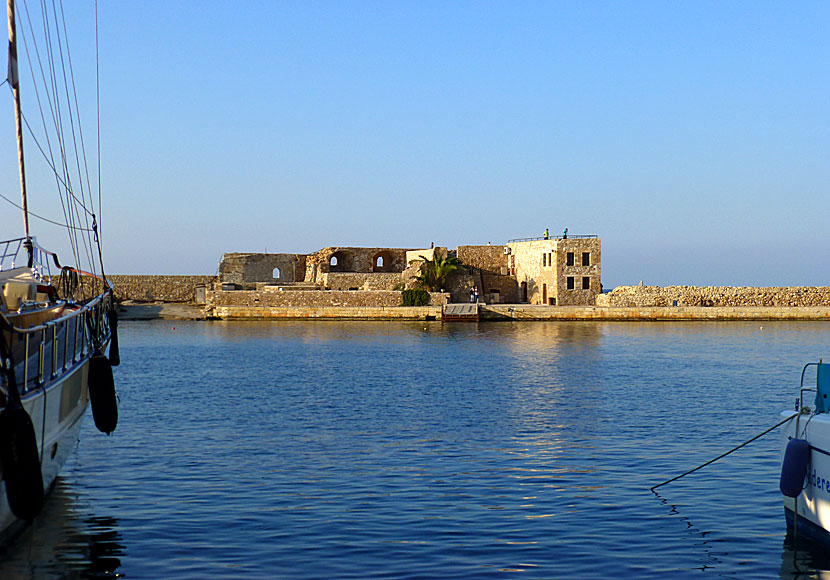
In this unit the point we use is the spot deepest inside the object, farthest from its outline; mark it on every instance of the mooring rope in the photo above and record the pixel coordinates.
(721, 456)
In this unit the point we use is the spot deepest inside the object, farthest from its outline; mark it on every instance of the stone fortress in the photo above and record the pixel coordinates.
(557, 278)
(559, 271)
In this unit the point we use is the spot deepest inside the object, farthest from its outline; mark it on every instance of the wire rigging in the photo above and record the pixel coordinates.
(61, 142)
(34, 215)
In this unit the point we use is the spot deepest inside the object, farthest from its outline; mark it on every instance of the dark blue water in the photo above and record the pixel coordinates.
(421, 450)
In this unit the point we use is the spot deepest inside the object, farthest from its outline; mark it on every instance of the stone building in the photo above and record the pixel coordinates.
(245, 269)
(558, 271)
(489, 268)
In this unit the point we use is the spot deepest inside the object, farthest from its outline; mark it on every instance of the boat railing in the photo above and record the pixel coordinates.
(559, 237)
(63, 342)
(11, 249)
(819, 380)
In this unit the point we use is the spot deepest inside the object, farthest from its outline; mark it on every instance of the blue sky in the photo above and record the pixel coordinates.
(693, 137)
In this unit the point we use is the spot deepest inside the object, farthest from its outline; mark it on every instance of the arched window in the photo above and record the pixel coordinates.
(383, 261)
(276, 274)
(341, 261)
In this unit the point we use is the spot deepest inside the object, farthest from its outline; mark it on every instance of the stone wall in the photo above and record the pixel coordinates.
(327, 313)
(715, 296)
(311, 298)
(428, 253)
(490, 259)
(489, 265)
(580, 274)
(360, 281)
(354, 260)
(244, 268)
(158, 288)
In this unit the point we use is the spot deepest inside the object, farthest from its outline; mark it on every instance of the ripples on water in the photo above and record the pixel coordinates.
(421, 450)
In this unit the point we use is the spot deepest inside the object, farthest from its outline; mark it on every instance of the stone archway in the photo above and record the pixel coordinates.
(341, 261)
(382, 262)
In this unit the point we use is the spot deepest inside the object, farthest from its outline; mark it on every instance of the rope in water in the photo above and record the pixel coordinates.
(721, 456)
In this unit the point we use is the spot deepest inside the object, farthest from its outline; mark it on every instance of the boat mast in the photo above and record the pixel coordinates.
(18, 121)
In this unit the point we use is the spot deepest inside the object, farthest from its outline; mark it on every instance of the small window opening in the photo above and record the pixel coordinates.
(276, 274)
(379, 263)
(586, 258)
(333, 261)
(586, 283)
(544, 260)
(551, 301)
(570, 283)
(570, 259)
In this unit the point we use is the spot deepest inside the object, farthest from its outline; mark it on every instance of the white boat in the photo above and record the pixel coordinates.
(55, 321)
(805, 457)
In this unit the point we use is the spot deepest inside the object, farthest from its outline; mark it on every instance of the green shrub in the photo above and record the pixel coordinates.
(415, 297)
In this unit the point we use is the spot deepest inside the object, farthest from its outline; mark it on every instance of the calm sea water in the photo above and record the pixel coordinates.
(422, 450)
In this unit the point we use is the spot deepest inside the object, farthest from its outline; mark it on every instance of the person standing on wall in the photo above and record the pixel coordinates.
(565, 234)
(546, 234)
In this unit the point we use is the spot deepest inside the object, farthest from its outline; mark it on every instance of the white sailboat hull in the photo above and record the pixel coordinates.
(57, 414)
(813, 504)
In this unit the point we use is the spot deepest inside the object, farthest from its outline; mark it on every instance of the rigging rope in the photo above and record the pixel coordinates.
(54, 66)
(722, 455)
(40, 217)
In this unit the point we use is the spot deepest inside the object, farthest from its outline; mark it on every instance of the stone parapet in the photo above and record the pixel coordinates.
(715, 296)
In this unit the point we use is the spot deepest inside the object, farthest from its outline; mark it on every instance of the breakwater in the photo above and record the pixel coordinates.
(623, 303)
(154, 288)
(716, 296)
(651, 313)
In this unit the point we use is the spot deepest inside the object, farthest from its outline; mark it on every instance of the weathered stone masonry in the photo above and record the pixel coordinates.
(557, 271)
(158, 288)
(715, 296)
(308, 299)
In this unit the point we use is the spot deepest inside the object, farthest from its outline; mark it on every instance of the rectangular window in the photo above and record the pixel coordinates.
(570, 282)
(570, 259)
(550, 259)
(544, 260)
(586, 283)
(586, 258)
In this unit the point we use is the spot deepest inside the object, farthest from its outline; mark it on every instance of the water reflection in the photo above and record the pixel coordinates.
(801, 557)
(64, 543)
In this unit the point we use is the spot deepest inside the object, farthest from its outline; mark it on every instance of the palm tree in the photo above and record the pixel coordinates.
(435, 271)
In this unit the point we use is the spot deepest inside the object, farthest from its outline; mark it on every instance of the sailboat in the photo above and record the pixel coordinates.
(805, 457)
(56, 320)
